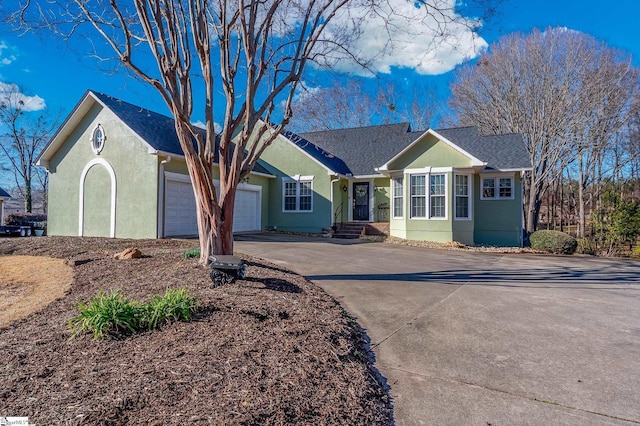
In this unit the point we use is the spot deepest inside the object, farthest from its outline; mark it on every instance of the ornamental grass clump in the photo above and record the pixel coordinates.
(107, 314)
(116, 315)
(553, 242)
(175, 305)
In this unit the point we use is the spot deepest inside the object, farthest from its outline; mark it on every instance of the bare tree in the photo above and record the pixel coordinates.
(252, 51)
(564, 91)
(23, 138)
(350, 105)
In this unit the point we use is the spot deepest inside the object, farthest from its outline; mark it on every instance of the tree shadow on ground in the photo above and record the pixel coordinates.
(552, 277)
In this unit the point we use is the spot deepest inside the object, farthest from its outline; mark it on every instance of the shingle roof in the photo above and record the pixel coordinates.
(4, 194)
(157, 130)
(362, 149)
(500, 152)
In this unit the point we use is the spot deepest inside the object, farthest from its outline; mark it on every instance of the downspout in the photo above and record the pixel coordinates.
(337, 179)
(2, 212)
(161, 196)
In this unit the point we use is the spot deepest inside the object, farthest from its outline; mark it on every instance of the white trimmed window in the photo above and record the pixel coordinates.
(496, 188)
(431, 204)
(462, 197)
(418, 196)
(297, 194)
(398, 197)
(438, 196)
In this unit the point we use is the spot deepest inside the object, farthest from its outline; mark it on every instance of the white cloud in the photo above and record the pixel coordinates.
(6, 57)
(10, 93)
(202, 125)
(402, 35)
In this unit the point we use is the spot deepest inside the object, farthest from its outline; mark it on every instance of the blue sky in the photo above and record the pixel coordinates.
(48, 69)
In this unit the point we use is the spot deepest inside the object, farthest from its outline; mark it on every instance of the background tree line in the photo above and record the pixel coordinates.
(576, 103)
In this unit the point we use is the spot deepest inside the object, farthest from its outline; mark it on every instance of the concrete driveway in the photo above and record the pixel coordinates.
(466, 338)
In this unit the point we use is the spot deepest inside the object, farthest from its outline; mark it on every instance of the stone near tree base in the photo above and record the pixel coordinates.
(129, 253)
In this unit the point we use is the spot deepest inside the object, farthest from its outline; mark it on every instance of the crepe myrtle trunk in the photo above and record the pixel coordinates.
(214, 209)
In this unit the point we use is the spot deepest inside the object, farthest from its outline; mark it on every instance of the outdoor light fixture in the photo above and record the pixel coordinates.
(344, 188)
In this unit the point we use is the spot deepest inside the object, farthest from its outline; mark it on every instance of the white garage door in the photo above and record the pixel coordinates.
(180, 209)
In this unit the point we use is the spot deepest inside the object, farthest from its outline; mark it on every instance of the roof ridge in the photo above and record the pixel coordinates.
(406, 123)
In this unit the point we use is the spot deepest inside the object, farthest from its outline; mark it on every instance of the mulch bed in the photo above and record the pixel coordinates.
(269, 349)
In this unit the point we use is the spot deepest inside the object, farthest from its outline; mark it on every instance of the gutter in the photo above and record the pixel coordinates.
(160, 227)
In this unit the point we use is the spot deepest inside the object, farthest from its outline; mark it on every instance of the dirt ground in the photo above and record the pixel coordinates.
(29, 283)
(269, 349)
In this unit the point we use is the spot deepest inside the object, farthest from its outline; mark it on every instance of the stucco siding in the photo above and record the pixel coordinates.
(498, 222)
(285, 160)
(135, 188)
(430, 152)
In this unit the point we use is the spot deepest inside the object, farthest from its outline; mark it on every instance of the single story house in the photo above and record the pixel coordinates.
(117, 170)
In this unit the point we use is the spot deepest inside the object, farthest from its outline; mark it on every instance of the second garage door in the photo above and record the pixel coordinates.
(180, 209)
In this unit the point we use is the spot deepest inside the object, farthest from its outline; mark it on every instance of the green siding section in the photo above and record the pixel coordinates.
(498, 222)
(382, 200)
(430, 152)
(283, 159)
(136, 180)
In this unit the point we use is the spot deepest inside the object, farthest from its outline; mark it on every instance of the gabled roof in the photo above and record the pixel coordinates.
(361, 149)
(155, 130)
(492, 152)
(500, 152)
(4, 194)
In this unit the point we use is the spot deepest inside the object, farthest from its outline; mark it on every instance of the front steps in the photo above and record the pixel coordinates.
(349, 230)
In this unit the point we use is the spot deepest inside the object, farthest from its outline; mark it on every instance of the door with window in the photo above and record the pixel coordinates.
(360, 201)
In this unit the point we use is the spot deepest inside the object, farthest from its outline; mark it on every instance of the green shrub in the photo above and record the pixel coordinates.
(553, 242)
(104, 315)
(191, 254)
(175, 305)
(115, 314)
(586, 246)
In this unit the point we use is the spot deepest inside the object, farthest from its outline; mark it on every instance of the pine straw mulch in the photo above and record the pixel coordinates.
(269, 349)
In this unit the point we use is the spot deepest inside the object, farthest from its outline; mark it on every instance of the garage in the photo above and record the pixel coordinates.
(180, 207)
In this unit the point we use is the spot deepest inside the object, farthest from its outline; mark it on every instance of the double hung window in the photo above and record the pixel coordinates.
(297, 195)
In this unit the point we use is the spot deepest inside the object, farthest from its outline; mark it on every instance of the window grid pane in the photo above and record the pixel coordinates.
(462, 196)
(437, 185)
(418, 207)
(398, 199)
(462, 206)
(488, 188)
(462, 185)
(437, 206)
(418, 196)
(505, 188)
(418, 185)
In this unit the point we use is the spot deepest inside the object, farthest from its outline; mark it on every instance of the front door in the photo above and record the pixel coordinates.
(361, 201)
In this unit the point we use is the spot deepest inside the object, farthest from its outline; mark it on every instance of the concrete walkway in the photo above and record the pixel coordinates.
(467, 338)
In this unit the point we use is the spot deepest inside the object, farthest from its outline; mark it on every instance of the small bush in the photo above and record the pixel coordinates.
(191, 254)
(175, 305)
(104, 315)
(553, 242)
(115, 314)
(586, 246)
